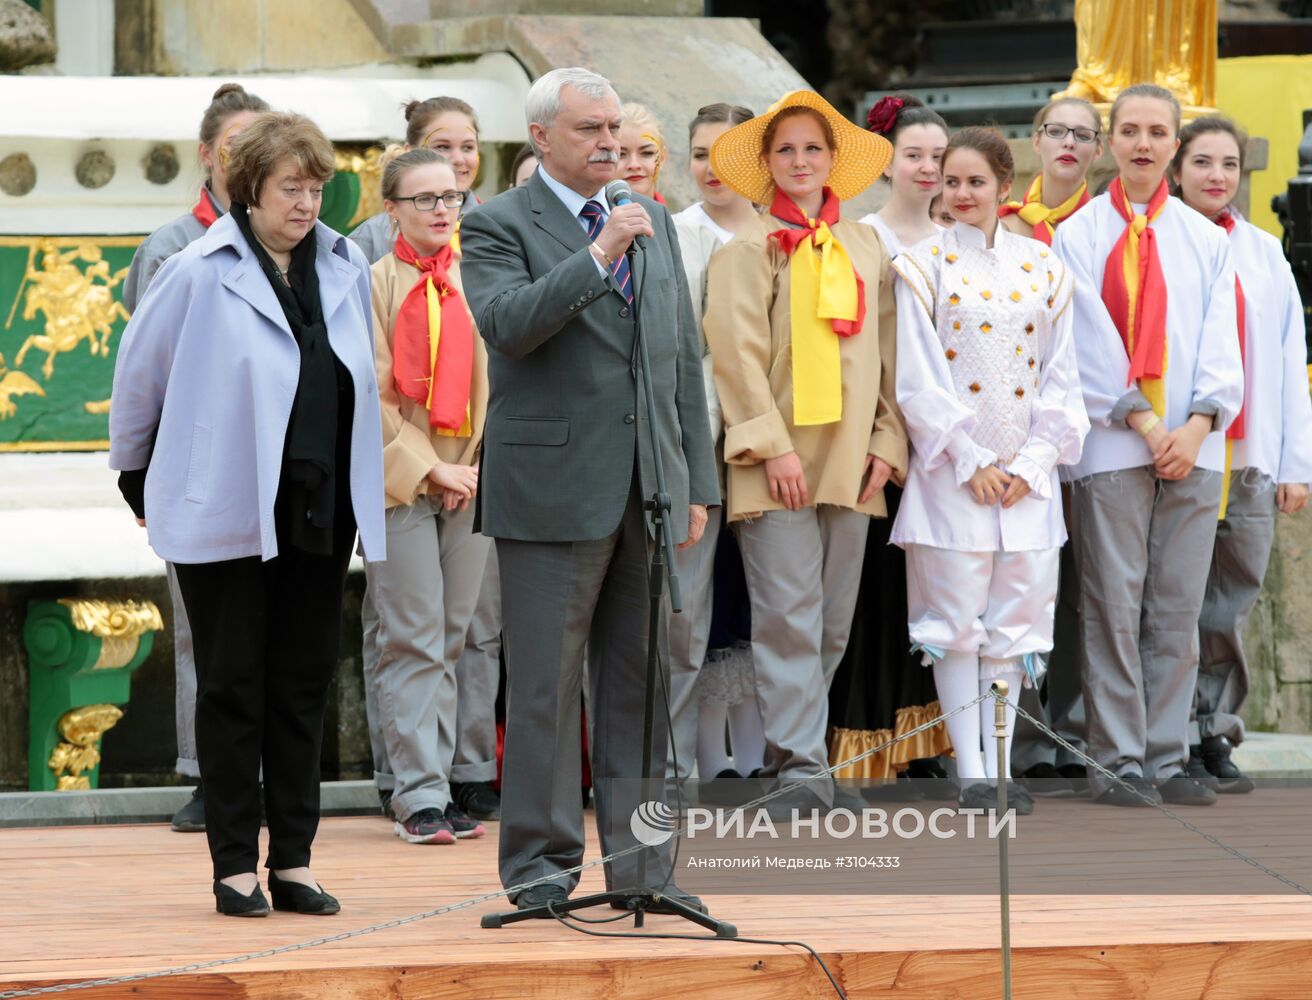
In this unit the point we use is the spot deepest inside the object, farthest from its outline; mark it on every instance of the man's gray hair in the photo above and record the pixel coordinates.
(543, 101)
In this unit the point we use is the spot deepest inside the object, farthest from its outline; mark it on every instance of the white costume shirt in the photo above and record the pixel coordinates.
(1277, 406)
(1203, 373)
(892, 244)
(699, 237)
(986, 375)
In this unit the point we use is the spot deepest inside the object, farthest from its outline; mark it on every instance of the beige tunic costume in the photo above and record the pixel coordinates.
(747, 326)
(419, 603)
(803, 567)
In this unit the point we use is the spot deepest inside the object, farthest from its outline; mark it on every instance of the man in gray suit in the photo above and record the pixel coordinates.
(567, 466)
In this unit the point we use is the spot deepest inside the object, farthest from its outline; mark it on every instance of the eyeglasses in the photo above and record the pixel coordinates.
(1060, 132)
(428, 202)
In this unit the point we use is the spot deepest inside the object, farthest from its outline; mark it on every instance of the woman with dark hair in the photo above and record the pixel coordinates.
(246, 423)
(1268, 447)
(448, 126)
(523, 166)
(991, 396)
(800, 323)
(1162, 378)
(231, 109)
(880, 691)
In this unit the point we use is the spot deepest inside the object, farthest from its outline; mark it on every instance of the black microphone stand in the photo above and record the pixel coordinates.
(661, 568)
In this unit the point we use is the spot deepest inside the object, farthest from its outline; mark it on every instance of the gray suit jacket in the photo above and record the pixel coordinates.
(566, 408)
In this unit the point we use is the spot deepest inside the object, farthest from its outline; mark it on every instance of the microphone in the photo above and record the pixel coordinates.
(619, 193)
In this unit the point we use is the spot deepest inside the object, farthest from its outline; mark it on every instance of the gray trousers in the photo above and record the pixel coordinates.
(420, 602)
(803, 570)
(184, 673)
(690, 633)
(1063, 708)
(1239, 560)
(557, 597)
(1142, 551)
(478, 675)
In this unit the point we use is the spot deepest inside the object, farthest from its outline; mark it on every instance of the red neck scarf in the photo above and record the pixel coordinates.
(433, 343)
(786, 210)
(1134, 288)
(203, 210)
(1235, 431)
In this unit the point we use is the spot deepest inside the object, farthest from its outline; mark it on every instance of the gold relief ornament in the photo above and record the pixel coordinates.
(1171, 43)
(369, 168)
(82, 729)
(14, 384)
(78, 303)
(113, 619)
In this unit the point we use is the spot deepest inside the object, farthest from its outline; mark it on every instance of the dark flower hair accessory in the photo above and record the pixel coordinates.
(883, 116)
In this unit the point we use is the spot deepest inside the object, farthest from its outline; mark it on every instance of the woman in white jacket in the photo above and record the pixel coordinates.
(1268, 447)
(990, 393)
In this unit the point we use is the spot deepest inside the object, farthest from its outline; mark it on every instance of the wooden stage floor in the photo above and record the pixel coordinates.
(85, 902)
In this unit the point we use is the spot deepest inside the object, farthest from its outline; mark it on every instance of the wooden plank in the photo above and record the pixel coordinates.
(82, 902)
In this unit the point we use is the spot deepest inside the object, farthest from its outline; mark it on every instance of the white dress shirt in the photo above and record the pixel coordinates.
(1203, 372)
(1277, 405)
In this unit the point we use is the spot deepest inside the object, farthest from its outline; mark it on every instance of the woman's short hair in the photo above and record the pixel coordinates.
(398, 162)
(640, 117)
(272, 137)
(1041, 118)
(1145, 90)
(420, 115)
(717, 114)
(990, 144)
(1205, 126)
(228, 100)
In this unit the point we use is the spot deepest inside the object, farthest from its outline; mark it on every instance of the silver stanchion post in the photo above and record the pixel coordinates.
(1000, 691)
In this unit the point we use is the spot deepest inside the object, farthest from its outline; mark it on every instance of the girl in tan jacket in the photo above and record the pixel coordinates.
(800, 323)
(432, 387)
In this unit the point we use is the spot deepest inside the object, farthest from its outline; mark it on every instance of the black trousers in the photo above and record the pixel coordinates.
(266, 640)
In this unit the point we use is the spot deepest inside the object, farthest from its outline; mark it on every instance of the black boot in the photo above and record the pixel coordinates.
(191, 817)
(1216, 759)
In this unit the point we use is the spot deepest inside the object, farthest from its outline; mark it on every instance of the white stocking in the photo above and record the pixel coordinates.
(746, 736)
(956, 676)
(712, 758)
(1014, 676)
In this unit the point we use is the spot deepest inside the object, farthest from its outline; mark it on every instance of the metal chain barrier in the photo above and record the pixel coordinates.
(1090, 762)
(578, 869)
(452, 907)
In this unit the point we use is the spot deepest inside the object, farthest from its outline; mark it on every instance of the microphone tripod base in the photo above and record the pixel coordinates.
(639, 903)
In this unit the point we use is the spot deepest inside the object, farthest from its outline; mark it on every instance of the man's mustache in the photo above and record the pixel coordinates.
(606, 156)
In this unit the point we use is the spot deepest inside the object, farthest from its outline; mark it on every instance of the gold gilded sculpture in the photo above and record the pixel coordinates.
(76, 307)
(1171, 43)
(113, 619)
(14, 384)
(82, 729)
(368, 167)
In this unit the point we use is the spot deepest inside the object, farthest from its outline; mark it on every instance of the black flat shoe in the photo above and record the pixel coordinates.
(232, 903)
(294, 897)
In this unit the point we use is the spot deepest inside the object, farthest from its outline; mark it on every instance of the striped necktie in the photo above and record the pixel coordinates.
(591, 214)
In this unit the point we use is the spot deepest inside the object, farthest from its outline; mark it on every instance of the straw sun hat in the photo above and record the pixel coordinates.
(859, 156)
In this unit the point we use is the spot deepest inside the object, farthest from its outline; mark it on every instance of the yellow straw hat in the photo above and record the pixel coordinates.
(859, 156)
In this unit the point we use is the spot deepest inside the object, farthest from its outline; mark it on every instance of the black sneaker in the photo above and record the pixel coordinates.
(984, 795)
(1182, 790)
(1197, 770)
(1045, 781)
(477, 799)
(427, 826)
(1139, 795)
(929, 778)
(191, 817)
(1078, 776)
(1216, 759)
(461, 825)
